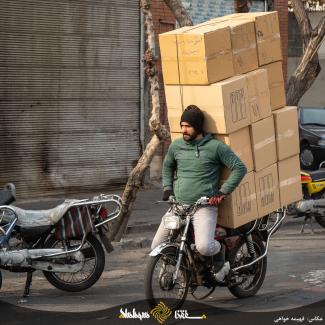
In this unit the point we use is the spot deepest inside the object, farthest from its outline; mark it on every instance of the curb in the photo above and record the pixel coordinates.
(133, 229)
(133, 243)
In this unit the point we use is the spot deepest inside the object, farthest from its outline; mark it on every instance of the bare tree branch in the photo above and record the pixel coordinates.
(303, 21)
(242, 5)
(179, 12)
(309, 67)
(160, 131)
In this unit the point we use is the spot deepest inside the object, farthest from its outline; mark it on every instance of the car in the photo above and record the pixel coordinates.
(311, 136)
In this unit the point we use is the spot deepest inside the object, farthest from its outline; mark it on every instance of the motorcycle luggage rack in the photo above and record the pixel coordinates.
(98, 200)
(101, 200)
(281, 213)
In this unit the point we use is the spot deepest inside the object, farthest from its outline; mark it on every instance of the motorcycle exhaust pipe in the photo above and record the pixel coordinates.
(24, 257)
(310, 206)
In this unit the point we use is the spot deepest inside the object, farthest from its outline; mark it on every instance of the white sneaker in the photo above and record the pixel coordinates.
(221, 274)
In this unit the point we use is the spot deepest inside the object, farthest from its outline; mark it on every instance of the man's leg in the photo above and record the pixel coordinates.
(204, 223)
(160, 236)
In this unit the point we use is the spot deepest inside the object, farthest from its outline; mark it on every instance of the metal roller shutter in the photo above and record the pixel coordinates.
(69, 94)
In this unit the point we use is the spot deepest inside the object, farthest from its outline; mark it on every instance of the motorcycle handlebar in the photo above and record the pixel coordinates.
(204, 200)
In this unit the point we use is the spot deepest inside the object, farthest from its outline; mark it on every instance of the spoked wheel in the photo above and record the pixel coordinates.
(249, 279)
(159, 283)
(93, 260)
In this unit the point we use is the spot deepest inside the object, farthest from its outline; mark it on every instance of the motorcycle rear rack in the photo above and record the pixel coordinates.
(99, 201)
(280, 215)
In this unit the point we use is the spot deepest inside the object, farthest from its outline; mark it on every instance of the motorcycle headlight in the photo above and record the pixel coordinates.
(172, 221)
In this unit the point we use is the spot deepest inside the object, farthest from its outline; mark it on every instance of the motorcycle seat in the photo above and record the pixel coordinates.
(38, 218)
(317, 175)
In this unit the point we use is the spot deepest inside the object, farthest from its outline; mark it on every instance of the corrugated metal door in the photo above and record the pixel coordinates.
(69, 94)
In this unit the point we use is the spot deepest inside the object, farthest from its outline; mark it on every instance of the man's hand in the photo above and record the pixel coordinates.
(215, 200)
(167, 193)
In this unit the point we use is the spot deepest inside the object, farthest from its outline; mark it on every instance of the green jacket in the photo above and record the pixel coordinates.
(192, 169)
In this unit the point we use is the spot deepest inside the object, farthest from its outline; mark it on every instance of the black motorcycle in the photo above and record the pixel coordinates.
(176, 268)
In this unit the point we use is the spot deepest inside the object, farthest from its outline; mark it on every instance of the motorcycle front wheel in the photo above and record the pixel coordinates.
(93, 264)
(158, 280)
(250, 278)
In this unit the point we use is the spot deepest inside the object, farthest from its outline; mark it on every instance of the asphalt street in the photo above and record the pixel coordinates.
(295, 277)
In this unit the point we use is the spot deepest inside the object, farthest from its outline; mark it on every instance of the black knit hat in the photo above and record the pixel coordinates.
(194, 117)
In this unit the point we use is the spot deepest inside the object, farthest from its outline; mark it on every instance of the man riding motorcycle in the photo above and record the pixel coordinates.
(191, 170)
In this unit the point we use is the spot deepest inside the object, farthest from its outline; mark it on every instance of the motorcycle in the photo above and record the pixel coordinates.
(313, 203)
(65, 242)
(175, 268)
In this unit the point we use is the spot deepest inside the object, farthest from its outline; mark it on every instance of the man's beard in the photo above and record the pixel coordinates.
(188, 137)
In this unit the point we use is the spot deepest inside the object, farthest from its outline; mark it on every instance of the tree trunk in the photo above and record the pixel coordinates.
(308, 68)
(179, 12)
(242, 6)
(160, 131)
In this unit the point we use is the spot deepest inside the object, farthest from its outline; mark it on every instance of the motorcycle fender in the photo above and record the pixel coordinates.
(157, 250)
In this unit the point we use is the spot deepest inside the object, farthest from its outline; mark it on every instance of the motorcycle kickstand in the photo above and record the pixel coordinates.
(311, 224)
(28, 284)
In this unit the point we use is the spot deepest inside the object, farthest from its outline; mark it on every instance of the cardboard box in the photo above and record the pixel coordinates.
(224, 104)
(175, 135)
(286, 132)
(198, 55)
(276, 84)
(239, 142)
(240, 206)
(267, 190)
(263, 143)
(267, 34)
(289, 180)
(258, 95)
(174, 118)
(243, 43)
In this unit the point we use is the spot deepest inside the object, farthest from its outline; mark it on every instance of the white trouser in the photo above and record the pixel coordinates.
(204, 223)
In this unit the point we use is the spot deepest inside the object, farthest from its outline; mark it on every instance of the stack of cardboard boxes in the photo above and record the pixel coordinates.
(231, 68)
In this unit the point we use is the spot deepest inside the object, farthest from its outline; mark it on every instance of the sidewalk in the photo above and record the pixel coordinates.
(146, 213)
(145, 217)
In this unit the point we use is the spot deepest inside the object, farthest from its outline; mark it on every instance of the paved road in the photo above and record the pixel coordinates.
(295, 277)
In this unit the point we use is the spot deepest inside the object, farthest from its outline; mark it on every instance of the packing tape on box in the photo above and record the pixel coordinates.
(290, 181)
(252, 197)
(249, 198)
(277, 84)
(252, 46)
(265, 142)
(217, 54)
(287, 134)
(266, 38)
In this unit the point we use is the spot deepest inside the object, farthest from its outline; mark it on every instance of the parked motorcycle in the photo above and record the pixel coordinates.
(64, 242)
(176, 268)
(313, 203)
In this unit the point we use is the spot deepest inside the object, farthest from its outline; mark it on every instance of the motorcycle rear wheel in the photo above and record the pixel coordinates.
(158, 281)
(252, 277)
(94, 262)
